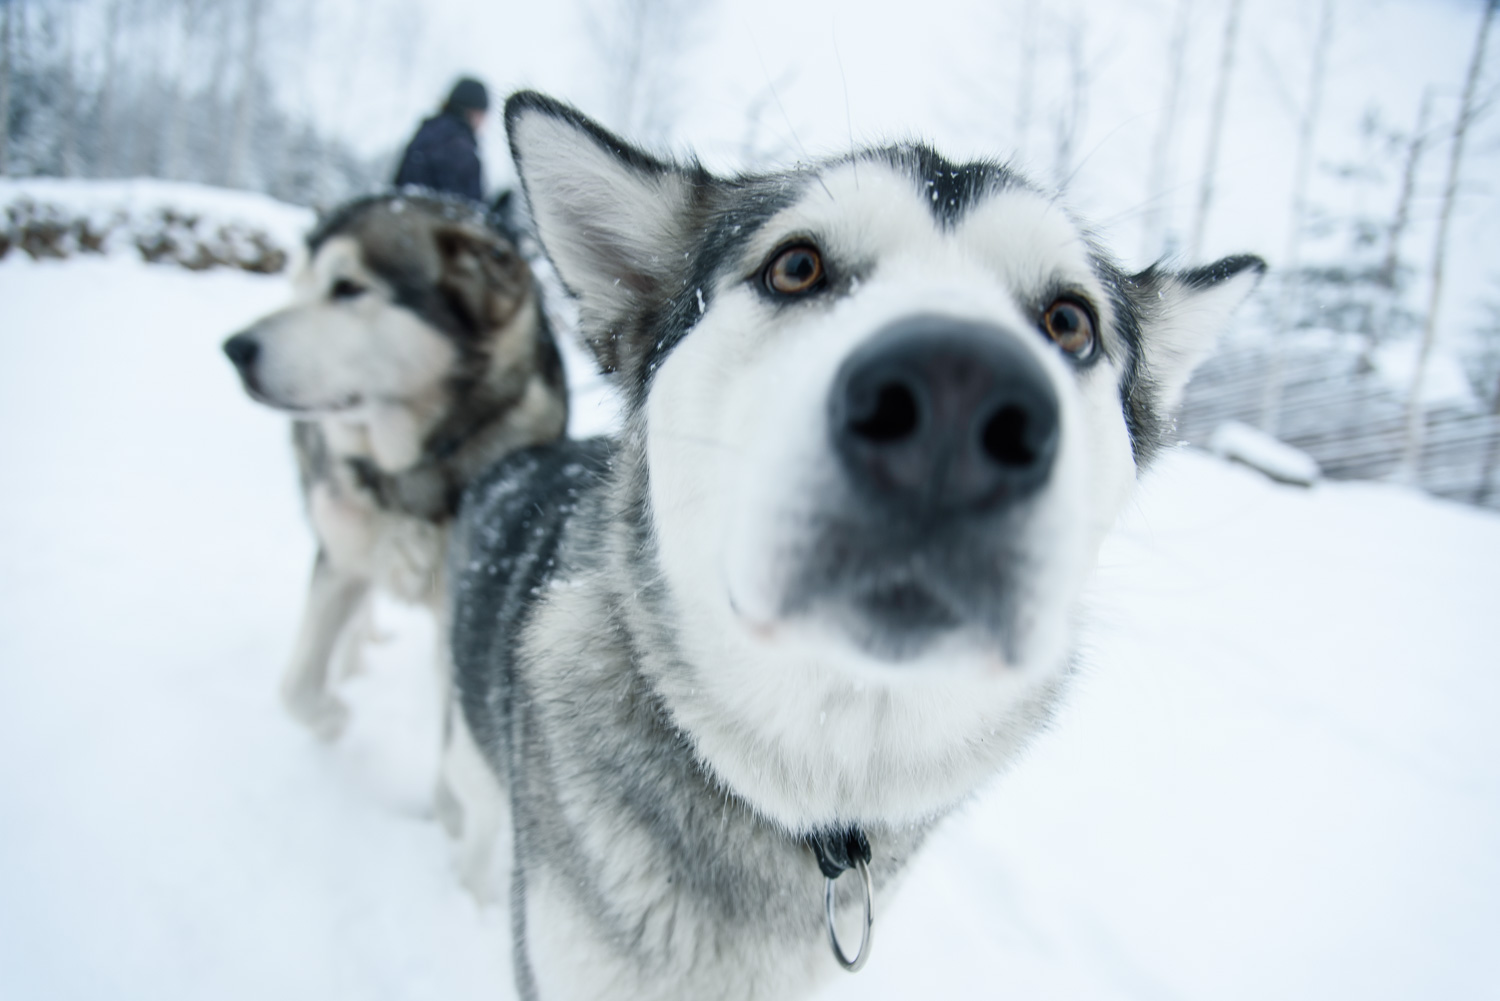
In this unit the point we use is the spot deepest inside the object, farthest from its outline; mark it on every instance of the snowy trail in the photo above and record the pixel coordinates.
(1279, 775)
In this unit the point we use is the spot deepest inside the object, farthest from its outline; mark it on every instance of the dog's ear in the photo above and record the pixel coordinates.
(483, 279)
(1182, 314)
(608, 214)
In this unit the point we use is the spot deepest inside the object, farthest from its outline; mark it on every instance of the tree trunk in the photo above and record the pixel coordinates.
(1159, 180)
(172, 165)
(69, 124)
(1402, 219)
(106, 161)
(1415, 414)
(5, 72)
(1291, 260)
(244, 105)
(1026, 85)
(1215, 130)
(220, 94)
(1070, 122)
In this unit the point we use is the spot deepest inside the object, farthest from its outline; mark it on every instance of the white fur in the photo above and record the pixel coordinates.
(484, 823)
(792, 716)
(1183, 334)
(607, 219)
(790, 713)
(361, 355)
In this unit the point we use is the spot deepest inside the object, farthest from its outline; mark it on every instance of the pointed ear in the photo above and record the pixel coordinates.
(608, 215)
(1183, 314)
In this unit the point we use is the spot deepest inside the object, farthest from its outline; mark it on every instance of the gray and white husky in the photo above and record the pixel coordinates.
(413, 355)
(879, 413)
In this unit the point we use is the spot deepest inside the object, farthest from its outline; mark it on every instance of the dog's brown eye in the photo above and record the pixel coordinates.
(1070, 326)
(345, 289)
(795, 270)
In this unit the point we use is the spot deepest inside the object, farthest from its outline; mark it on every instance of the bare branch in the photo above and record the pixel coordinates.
(1466, 116)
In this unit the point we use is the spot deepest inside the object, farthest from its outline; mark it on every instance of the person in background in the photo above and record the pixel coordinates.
(444, 154)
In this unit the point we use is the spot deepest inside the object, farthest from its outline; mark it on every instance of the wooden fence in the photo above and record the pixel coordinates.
(1333, 406)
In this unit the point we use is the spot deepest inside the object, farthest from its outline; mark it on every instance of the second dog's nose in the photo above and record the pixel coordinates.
(242, 350)
(938, 415)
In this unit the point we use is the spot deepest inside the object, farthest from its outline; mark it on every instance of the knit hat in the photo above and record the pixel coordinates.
(468, 95)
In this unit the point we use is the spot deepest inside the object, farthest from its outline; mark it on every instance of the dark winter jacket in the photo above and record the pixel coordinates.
(444, 156)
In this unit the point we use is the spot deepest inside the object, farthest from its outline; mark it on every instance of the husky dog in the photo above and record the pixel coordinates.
(879, 414)
(414, 354)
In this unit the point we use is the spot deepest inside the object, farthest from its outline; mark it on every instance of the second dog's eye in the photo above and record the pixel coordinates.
(1071, 327)
(795, 270)
(345, 289)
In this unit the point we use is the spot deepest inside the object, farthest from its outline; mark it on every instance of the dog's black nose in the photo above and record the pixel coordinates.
(242, 350)
(938, 416)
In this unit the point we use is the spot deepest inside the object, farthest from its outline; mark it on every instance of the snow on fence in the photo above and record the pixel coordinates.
(188, 225)
(1336, 406)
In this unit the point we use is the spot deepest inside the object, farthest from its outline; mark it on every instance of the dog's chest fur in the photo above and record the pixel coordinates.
(400, 552)
(637, 874)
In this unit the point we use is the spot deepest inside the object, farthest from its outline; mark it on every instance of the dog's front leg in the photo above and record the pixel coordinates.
(483, 805)
(332, 599)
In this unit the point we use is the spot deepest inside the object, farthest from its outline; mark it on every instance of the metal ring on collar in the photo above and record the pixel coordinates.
(852, 965)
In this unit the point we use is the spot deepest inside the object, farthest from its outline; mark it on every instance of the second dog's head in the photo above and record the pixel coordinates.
(888, 406)
(404, 298)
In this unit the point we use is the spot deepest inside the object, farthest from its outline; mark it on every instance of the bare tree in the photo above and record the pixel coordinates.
(1159, 178)
(70, 119)
(639, 44)
(1291, 259)
(220, 90)
(190, 17)
(5, 74)
(1068, 123)
(106, 160)
(1390, 276)
(244, 105)
(1026, 82)
(753, 152)
(1215, 129)
(1415, 414)
(1414, 147)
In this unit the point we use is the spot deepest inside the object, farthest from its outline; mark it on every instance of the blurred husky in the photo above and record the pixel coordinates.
(413, 355)
(880, 412)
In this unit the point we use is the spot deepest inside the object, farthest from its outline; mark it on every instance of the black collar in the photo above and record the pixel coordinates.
(839, 849)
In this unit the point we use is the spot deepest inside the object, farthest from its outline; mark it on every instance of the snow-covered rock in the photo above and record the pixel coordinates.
(1252, 447)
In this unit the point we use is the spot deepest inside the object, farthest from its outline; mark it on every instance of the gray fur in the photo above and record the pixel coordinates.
(557, 633)
(639, 870)
(430, 268)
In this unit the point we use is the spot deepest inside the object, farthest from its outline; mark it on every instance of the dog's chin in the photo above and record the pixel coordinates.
(892, 630)
(894, 622)
(334, 407)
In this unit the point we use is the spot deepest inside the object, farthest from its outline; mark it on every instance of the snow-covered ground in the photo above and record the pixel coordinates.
(1279, 776)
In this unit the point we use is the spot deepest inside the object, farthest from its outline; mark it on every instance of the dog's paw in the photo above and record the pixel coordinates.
(323, 714)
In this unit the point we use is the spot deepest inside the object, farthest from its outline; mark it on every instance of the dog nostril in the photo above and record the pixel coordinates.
(893, 417)
(242, 350)
(1004, 437)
